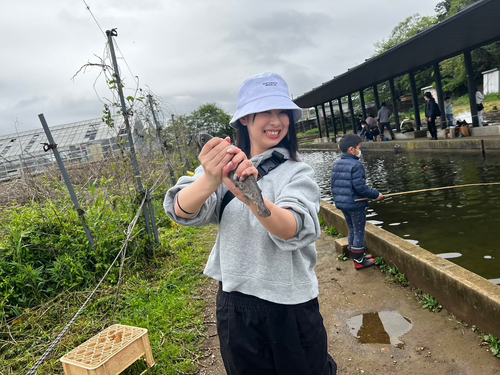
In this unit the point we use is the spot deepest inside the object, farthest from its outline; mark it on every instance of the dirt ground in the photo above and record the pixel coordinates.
(437, 343)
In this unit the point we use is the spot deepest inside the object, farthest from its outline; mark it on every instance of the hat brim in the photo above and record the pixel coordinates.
(266, 104)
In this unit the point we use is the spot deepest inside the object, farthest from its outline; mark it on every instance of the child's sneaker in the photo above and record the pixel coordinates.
(359, 258)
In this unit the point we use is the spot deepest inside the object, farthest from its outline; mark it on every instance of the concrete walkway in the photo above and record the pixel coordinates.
(436, 344)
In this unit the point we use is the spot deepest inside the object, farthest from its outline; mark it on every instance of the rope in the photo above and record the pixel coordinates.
(42, 360)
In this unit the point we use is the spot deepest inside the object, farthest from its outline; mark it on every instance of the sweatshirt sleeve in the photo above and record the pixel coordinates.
(302, 197)
(359, 183)
(208, 213)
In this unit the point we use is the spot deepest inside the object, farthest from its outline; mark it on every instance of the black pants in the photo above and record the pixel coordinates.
(431, 126)
(258, 337)
(388, 126)
(371, 134)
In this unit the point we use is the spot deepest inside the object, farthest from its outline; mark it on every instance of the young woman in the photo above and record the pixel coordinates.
(268, 317)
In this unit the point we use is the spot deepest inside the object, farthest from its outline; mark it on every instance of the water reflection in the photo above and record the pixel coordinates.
(384, 327)
(464, 220)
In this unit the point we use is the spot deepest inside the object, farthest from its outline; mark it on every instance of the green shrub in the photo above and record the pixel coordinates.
(44, 249)
(312, 131)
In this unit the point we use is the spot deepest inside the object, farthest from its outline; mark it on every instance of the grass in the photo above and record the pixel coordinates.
(332, 231)
(429, 302)
(395, 276)
(157, 296)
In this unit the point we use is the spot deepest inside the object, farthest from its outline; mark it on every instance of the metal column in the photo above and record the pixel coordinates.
(326, 122)
(395, 105)
(363, 106)
(439, 89)
(471, 85)
(375, 94)
(333, 122)
(52, 145)
(319, 122)
(414, 98)
(110, 34)
(353, 118)
(341, 112)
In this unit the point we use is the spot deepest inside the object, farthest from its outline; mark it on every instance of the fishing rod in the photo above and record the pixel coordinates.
(433, 189)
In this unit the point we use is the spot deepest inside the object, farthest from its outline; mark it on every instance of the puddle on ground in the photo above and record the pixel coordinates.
(495, 281)
(375, 222)
(384, 327)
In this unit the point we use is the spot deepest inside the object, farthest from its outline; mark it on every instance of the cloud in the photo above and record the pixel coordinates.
(188, 53)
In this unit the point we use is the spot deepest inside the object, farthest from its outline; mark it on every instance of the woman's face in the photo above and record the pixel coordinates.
(266, 129)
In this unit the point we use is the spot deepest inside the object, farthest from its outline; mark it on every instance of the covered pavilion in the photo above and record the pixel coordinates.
(471, 28)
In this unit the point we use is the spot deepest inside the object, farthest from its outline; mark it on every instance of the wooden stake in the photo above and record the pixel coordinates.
(433, 189)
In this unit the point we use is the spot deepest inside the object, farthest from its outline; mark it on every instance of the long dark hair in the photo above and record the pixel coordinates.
(290, 142)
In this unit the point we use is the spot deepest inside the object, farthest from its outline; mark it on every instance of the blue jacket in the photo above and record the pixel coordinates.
(349, 183)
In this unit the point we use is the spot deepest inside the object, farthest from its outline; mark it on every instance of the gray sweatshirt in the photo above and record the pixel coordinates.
(384, 115)
(246, 257)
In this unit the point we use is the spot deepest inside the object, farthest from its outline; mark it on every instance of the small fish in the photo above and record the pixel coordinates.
(248, 186)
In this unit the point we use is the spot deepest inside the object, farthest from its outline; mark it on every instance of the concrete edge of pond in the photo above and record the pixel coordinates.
(468, 296)
(480, 145)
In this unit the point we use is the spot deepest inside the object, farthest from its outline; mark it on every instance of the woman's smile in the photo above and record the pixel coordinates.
(273, 134)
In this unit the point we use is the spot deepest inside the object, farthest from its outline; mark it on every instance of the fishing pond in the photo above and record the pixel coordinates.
(461, 225)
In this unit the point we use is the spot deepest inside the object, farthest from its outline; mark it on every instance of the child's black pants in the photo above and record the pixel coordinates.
(258, 337)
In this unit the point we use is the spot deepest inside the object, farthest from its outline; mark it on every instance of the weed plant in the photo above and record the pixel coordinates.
(332, 231)
(494, 344)
(48, 269)
(429, 302)
(395, 276)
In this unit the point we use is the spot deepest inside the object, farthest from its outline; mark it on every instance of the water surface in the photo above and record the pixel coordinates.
(464, 220)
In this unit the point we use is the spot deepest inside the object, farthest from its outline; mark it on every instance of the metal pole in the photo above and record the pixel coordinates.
(377, 99)
(158, 129)
(353, 118)
(153, 219)
(334, 123)
(52, 145)
(177, 141)
(341, 112)
(414, 98)
(110, 34)
(471, 85)
(319, 123)
(163, 151)
(439, 89)
(363, 106)
(395, 105)
(326, 122)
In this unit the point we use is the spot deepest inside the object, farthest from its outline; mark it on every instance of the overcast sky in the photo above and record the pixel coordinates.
(188, 52)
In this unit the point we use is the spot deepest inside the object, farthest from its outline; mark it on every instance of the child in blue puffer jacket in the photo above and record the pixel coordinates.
(349, 184)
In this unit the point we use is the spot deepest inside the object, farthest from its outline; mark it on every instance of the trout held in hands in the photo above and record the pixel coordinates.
(248, 187)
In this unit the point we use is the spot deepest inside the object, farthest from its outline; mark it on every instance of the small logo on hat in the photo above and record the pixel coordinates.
(270, 83)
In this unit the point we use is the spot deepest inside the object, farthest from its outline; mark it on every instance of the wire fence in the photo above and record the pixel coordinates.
(54, 343)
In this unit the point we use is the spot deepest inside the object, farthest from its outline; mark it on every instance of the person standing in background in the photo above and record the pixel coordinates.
(448, 111)
(384, 115)
(431, 113)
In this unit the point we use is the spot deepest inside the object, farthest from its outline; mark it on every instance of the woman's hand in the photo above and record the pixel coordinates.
(214, 156)
(244, 169)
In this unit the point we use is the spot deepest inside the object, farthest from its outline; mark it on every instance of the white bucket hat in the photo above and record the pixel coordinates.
(264, 92)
